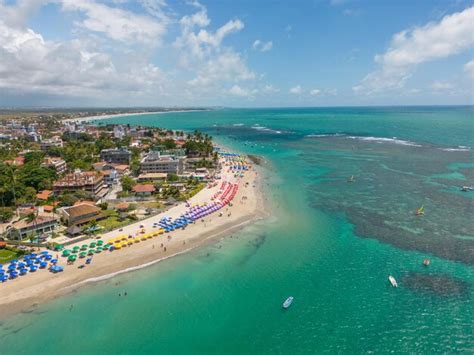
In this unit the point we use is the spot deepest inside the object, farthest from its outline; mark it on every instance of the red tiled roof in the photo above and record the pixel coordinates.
(144, 188)
(43, 195)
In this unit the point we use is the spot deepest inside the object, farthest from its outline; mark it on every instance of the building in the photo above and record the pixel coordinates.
(44, 195)
(143, 190)
(89, 181)
(50, 143)
(119, 132)
(110, 177)
(152, 177)
(57, 164)
(41, 225)
(154, 162)
(80, 214)
(118, 156)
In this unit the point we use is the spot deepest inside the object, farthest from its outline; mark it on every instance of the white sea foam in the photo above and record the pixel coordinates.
(393, 140)
(238, 124)
(265, 129)
(460, 148)
(325, 135)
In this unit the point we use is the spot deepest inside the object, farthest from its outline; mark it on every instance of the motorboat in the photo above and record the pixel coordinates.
(393, 281)
(467, 188)
(351, 179)
(288, 302)
(426, 262)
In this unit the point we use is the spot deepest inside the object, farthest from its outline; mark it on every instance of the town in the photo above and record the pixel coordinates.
(61, 180)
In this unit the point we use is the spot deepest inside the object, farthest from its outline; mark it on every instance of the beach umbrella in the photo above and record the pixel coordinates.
(91, 252)
(92, 245)
(54, 261)
(76, 249)
(100, 242)
(97, 251)
(43, 264)
(84, 247)
(107, 246)
(82, 254)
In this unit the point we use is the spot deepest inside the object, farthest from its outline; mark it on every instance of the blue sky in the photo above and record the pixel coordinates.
(235, 53)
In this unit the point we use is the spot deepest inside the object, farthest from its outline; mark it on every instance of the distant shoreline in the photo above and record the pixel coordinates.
(104, 117)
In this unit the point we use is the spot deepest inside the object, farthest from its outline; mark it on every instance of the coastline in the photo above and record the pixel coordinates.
(104, 117)
(25, 294)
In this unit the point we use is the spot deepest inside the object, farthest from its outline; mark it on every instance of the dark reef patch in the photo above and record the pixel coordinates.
(436, 284)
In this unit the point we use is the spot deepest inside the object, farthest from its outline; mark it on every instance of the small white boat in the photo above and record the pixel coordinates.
(288, 302)
(393, 281)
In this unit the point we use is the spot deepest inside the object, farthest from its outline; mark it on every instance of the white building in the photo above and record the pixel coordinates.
(154, 162)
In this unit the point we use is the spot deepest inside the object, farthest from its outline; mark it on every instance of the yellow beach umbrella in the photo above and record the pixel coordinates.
(136, 240)
(118, 246)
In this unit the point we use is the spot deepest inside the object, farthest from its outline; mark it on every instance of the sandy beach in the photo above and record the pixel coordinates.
(104, 117)
(26, 292)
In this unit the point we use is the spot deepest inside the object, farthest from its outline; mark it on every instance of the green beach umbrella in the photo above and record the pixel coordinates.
(107, 246)
(92, 245)
(91, 251)
(71, 258)
(66, 252)
(100, 242)
(82, 254)
(84, 247)
(59, 247)
(97, 251)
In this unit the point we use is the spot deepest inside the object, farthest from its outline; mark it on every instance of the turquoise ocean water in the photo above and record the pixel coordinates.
(331, 244)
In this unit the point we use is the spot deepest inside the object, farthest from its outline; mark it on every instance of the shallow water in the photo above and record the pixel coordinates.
(331, 244)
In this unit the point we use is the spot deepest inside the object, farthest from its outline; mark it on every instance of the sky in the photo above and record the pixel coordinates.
(237, 53)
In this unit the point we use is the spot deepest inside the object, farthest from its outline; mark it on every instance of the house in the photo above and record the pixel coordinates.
(44, 195)
(49, 143)
(74, 231)
(89, 181)
(57, 164)
(122, 169)
(119, 156)
(122, 207)
(40, 225)
(143, 190)
(152, 177)
(154, 162)
(110, 177)
(81, 214)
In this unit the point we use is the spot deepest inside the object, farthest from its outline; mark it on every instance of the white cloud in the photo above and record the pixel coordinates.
(32, 65)
(117, 24)
(258, 45)
(270, 89)
(199, 41)
(109, 55)
(442, 85)
(238, 91)
(469, 68)
(410, 48)
(315, 92)
(296, 90)
(228, 66)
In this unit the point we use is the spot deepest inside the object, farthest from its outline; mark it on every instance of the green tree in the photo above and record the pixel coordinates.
(6, 214)
(172, 177)
(127, 183)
